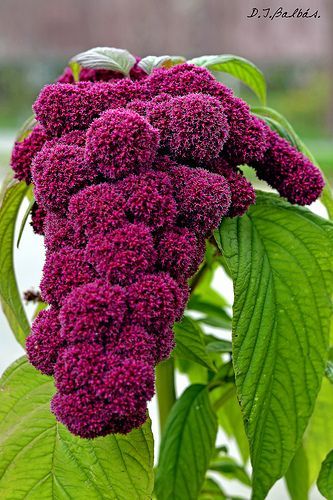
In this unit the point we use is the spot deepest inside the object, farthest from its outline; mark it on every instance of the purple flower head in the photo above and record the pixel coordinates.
(79, 366)
(198, 127)
(96, 210)
(134, 342)
(180, 252)
(24, 152)
(121, 142)
(242, 192)
(64, 107)
(248, 137)
(89, 417)
(122, 255)
(44, 342)
(117, 404)
(183, 79)
(38, 215)
(202, 198)
(94, 312)
(58, 173)
(138, 106)
(58, 232)
(290, 172)
(155, 301)
(73, 138)
(149, 199)
(159, 115)
(63, 271)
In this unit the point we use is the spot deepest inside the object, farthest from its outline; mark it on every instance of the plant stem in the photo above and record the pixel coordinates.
(165, 389)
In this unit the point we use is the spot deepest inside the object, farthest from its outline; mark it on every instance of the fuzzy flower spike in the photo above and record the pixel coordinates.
(130, 177)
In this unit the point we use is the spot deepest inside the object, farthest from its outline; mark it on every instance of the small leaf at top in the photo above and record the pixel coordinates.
(106, 58)
(238, 67)
(149, 63)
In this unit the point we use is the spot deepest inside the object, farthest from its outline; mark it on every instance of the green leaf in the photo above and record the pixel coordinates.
(211, 491)
(281, 260)
(187, 446)
(149, 63)
(230, 418)
(229, 468)
(41, 459)
(25, 217)
(297, 476)
(105, 58)
(190, 343)
(325, 479)
(281, 125)
(219, 346)
(240, 68)
(318, 439)
(26, 129)
(75, 68)
(9, 294)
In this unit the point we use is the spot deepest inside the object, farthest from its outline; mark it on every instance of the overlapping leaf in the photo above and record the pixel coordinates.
(187, 446)
(9, 293)
(39, 458)
(281, 260)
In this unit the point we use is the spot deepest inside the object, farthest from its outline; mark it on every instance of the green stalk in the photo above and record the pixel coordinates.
(165, 389)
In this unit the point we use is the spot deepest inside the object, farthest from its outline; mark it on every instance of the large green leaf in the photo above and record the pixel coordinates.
(187, 446)
(105, 58)
(211, 491)
(297, 477)
(281, 260)
(190, 343)
(318, 440)
(9, 293)
(325, 479)
(39, 458)
(240, 68)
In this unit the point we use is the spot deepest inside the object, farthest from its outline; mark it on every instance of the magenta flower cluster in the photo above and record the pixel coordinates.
(130, 176)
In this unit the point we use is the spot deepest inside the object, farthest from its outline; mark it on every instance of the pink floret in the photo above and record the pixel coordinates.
(44, 342)
(24, 152)
(242, 192)
(116, 404)
(180, 252)
(97, 210)
(94, 312)
(156, 301)
(290, 172)
(149, 199)
(58, 232)
(121, 142)
(202, 198)
(59, 172)
(38, 215)
(198, 127)
(124, 254)
(64, 107)
(63, 271)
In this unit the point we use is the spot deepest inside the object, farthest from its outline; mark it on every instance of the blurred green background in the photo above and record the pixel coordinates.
(37, 38)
